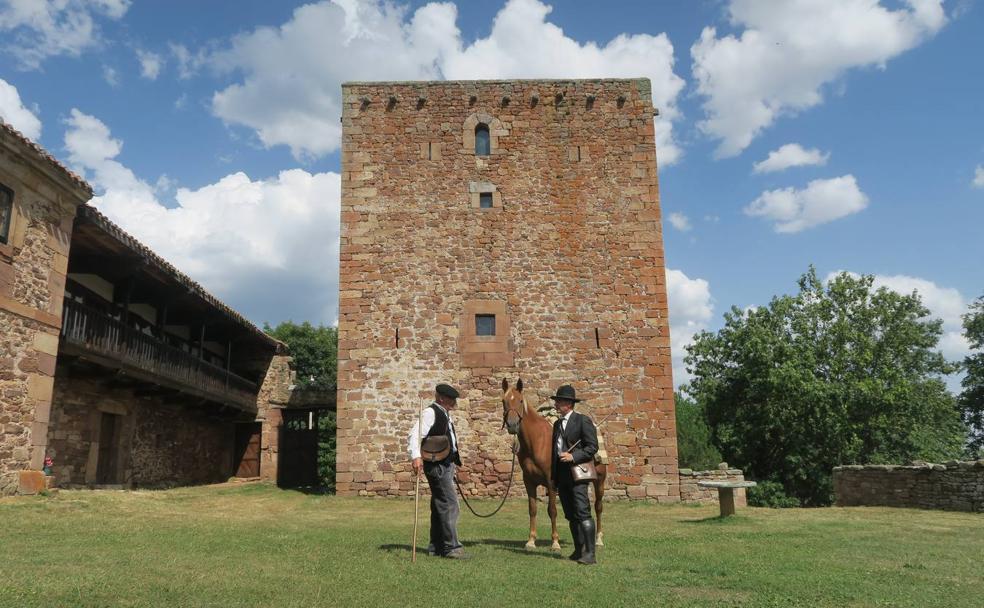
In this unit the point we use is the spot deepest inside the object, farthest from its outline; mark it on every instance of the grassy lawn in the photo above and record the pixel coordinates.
(255, 545)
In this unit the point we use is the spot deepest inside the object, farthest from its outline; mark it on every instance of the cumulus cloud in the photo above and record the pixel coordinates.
(680, 221)
(292, 73)
(190, 62)
(944, 303)
(978, 177)
(822, 201)
(16, 114)
(791, 155)
(111, 76)
(40, 29)
(248, 241)
(787, 51)
(691, 308)
(150, 64)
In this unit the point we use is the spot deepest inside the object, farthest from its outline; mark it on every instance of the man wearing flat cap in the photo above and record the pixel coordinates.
(575, 441)
(433, 448)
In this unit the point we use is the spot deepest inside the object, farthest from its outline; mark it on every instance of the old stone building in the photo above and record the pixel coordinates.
(114, 364)
(495, 229)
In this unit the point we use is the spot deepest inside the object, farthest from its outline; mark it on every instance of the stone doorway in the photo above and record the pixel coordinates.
(247, 456)
(109, 449)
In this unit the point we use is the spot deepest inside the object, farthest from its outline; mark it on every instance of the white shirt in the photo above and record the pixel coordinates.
(427, 420)
(563, 428)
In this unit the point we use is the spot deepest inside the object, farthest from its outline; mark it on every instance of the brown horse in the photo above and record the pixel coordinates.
(535, 452)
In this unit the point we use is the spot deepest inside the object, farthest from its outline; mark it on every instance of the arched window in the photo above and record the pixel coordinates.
(482, 140)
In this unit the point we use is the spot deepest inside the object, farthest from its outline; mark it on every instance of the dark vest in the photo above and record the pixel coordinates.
(442, 426)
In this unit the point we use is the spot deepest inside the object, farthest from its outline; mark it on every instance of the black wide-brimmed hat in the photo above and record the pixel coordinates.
(566, 392)
(447, 390)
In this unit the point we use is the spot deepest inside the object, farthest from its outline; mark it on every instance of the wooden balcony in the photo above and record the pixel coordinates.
(90, 333)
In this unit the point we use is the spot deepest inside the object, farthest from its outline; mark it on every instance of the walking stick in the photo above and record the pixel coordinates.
(416, 489)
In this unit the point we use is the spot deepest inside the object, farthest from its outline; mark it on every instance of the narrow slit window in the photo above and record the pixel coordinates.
(579, 154)
(483, 144)
(485, 200)
(430, 151)
(398, 337)
(6, 212)
(484, 325)
(597, 339)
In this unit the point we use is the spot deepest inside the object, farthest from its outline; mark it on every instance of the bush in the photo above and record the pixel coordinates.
(326, 450)
(770, 494)
(694, 448)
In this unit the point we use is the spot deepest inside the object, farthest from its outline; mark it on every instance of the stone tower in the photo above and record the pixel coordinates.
(495, 229)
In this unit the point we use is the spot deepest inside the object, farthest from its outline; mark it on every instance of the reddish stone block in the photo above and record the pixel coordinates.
(31, 482)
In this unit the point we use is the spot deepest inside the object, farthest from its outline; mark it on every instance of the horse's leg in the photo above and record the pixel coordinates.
(552, 511)
(531, 493)
(599, 488)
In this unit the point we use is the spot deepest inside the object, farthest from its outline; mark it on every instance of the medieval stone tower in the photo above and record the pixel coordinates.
(495, 229)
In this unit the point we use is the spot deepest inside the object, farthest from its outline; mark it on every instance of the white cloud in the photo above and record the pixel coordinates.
(787, 51)
(822, 201)
(16, 114)
(944, 303)
(292, 73)
(150, 64)
(691, 308)
(248, 241)
(978, 177)
(46, 28)
(110, 75)
(791, 155)
(680, 221)
(189, 63)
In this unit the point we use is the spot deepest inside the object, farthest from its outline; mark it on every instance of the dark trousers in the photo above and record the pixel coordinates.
(573, 497)
(444, 507)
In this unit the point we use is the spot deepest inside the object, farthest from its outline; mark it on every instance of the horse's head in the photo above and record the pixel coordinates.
(513, 406)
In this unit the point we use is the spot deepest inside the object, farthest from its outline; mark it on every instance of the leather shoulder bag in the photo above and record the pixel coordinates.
(435, 448)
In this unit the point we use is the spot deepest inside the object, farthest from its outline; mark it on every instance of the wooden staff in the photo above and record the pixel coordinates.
(416, 489)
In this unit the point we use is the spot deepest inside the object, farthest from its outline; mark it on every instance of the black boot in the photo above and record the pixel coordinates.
(576, 539)
(587, 542)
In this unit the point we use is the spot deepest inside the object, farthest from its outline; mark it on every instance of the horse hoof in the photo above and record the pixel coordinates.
(600, 541)
(531, 545)
(555, 546)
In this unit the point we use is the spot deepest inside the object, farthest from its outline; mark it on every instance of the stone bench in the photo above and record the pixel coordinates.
(726, 493)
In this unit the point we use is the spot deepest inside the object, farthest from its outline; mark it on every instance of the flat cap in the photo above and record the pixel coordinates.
(447, 390)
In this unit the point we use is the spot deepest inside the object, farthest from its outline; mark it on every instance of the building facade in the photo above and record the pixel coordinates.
(114, 364)
(501, 229)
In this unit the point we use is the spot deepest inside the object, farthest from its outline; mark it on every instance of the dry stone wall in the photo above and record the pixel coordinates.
(954, 486)
(33, 264)
(569, 257)
(691, 492)
(161, 442)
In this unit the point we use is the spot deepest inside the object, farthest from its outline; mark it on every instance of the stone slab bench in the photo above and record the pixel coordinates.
(726, 493)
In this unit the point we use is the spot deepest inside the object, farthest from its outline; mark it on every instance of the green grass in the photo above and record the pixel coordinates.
(255, 545)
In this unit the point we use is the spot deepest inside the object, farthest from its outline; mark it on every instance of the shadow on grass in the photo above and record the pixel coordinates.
(515, 546)
(715, 520)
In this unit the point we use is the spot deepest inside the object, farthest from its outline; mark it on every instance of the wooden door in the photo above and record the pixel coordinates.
(109, 449)
(248, 449)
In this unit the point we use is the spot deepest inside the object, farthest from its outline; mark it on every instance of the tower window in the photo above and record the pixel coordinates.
(485, 200)
(6, 211)
(483, 145)
(484, 325)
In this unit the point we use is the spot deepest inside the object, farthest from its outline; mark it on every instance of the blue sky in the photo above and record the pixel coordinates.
(846, 134)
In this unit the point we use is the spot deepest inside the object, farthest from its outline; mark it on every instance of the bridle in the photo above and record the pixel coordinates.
(507, 409)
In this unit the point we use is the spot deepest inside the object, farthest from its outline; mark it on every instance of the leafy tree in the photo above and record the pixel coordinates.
(314, 349)
(694, 448)
(327, 427)
(972, 397)
(842, 374)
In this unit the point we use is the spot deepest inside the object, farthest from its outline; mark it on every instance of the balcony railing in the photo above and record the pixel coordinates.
(95, 332)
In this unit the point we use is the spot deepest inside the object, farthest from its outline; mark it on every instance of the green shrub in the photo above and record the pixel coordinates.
(770, 494)
(694, 448)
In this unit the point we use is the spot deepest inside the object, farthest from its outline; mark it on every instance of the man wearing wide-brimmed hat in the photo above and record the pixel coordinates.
(436, 427)
(575, 441)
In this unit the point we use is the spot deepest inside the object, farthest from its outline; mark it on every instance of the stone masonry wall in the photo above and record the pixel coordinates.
(954, 486)
(32, 283)
(275, 393)
(162, 442)
(691, 492)
(569, 257)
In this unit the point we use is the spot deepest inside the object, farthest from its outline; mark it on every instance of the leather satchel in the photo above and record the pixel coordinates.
(435, 448)
(584, 472)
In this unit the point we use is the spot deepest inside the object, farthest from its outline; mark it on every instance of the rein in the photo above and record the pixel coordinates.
(512, 470)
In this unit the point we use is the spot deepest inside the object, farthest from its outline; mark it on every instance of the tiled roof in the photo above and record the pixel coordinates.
(93, 215)
(45, 156)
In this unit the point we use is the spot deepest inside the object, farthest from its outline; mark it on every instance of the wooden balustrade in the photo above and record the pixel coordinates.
(96, 332)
